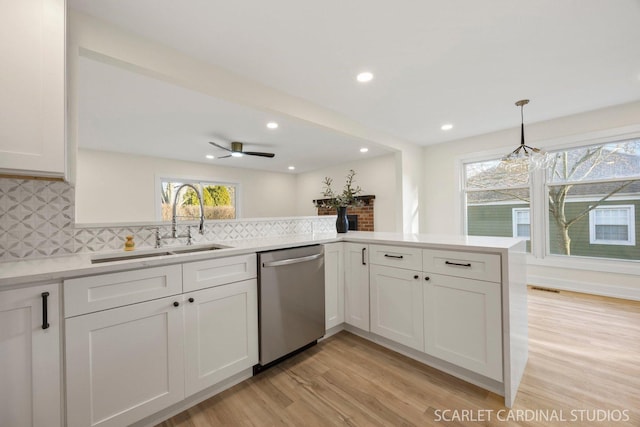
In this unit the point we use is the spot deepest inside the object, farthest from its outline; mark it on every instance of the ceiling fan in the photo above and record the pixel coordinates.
(236, 151)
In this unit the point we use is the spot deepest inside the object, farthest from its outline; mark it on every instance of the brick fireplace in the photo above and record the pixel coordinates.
(364, 212)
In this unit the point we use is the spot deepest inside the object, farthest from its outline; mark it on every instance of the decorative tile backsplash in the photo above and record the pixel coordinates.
(37, 220)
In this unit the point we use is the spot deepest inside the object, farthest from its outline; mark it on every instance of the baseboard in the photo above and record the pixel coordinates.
(584, 287)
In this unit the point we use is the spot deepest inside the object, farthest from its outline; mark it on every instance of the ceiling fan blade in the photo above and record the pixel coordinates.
(258, 153)
(219, 146)
(224, 157)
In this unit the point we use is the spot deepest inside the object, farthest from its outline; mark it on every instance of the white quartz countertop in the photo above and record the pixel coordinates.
(15, 273)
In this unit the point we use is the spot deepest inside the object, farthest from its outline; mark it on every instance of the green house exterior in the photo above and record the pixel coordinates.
(497, 220)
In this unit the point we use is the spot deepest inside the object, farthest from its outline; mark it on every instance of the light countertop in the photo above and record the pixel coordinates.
(14, 273)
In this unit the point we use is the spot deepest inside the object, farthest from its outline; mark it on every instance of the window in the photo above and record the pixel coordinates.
(493, 195)
(583, 187)
(584, 202)
(219, 199)
(612, 225)
(521, 223)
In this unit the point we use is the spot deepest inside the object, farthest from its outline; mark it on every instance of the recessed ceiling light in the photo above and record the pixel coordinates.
(365, 77)
(209, 156)
(272, 125)
(236, 154)
(446, 126)
(364, 149)
(292, 168)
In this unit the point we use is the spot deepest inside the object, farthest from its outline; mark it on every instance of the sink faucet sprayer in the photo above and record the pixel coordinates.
(175, 204)
(174, 228)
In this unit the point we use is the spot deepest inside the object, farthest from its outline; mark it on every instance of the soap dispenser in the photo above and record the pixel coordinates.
(129, 245)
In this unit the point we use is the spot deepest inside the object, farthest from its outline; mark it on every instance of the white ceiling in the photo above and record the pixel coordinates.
(459, 61)
(122, 111)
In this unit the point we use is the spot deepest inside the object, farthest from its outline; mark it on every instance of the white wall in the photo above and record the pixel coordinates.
(376, 176)
(113, 187)
(442, 211)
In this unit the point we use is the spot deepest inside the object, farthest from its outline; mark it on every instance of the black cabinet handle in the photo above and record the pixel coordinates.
(191, 299)
(176, 304)
(363, 261)
(458, 264)
(426, 277)
(394, 256)
(45, 315)
(416, 277)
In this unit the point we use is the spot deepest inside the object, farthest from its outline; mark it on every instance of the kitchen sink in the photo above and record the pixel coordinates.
(189, 250)
(152, 253)
(125, 257)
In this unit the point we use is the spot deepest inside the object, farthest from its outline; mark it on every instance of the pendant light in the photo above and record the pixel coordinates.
(524, 155)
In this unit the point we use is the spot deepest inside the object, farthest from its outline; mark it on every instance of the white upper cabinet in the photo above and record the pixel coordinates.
(32, 87)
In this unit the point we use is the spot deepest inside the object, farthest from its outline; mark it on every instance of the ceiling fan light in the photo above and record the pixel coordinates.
(236, 154)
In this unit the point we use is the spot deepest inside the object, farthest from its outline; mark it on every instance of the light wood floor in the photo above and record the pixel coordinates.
(584, 354)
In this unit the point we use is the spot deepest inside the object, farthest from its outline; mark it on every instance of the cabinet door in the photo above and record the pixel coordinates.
(125, 363)
(30, 355)
(334, 284)
(356, 285)
(32, 134)
(463, 323)
(221, 333)
(396, 305)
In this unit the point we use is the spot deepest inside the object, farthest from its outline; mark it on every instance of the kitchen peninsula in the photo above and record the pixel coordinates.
(453, 302)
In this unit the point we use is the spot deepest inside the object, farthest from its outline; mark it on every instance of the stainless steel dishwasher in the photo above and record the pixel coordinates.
(291, 301)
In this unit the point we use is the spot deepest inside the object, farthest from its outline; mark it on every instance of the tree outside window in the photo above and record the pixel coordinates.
(219, 200)
(577, 182)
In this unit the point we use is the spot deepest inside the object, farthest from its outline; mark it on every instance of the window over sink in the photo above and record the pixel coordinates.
(220, 199)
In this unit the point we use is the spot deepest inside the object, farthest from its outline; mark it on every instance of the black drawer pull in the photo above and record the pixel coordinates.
(426, 278)
(458, 264)
(191, 299)
(363, 261)
(416, 277)
(45, 315)
(394, 256)
(176, 304)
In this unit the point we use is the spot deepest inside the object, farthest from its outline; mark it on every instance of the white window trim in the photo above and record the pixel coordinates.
(514, 217)
(195, 180)
(631, 226)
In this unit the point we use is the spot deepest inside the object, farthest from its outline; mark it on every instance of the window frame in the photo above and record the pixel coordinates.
(201, 181)
(631, 221)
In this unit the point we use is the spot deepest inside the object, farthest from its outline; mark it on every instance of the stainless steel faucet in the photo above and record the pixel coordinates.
(175, 205)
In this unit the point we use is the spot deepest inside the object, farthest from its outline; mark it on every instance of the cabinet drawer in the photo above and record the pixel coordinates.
(396, 256)
(463, 264)
(219, 271)
(94, 293)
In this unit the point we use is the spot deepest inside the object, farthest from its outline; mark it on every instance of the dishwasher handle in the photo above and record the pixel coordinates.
(291, 261)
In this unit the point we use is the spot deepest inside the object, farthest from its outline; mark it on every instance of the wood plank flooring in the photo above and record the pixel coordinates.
(583, 370)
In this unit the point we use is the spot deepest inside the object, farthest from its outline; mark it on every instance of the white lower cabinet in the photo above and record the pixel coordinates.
(334, 284)
(356, 285)
(221, 333)
(463, 323)
(397, 305)
(30, 355)
(133, 359)
(125, 363)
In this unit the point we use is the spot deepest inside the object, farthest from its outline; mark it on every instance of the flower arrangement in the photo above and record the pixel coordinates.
(348, 196)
